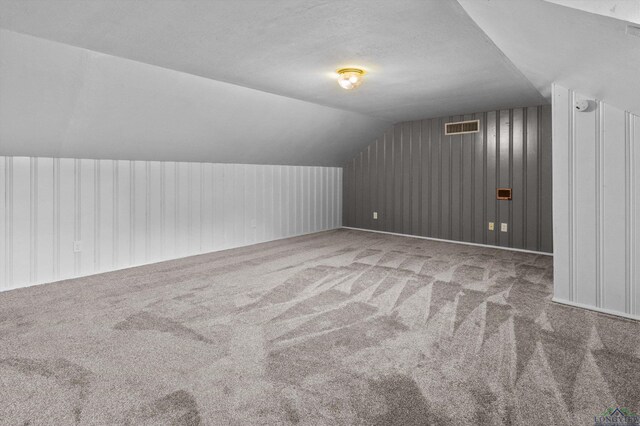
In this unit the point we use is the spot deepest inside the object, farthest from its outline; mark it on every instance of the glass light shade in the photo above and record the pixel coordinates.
(350, 78)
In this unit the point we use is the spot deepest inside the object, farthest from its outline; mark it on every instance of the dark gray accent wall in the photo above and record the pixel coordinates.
(421, 182)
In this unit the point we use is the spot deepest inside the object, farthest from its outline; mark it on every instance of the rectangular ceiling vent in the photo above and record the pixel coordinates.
(462, 127)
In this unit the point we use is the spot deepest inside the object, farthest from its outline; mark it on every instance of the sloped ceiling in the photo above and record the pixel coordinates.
(424, 58)
(627, 10)
(62, 101)
(548, 42)
(237, 81)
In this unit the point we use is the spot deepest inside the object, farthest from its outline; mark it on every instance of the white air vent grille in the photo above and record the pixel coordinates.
(462, 127)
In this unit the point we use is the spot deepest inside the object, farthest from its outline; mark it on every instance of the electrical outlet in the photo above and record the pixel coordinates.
(375, 215)
(503, 227)
(491, 226)
(252, 223)
(77, 246)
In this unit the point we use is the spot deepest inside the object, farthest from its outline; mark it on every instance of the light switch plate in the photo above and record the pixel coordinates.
(503, 227)
(375, 215)
(491, 226)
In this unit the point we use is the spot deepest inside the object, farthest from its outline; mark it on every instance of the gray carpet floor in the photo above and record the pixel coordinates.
(339, 328)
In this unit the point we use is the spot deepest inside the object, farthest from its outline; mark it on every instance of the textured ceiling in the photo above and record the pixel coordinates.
(58, 100)
(173, 79)
(627, 10)
(425, 57)
(549, 43)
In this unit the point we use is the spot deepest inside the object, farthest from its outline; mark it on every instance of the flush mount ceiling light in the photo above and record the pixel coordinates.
(350, 78)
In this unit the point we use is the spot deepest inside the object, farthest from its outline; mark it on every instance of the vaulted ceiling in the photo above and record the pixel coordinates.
(423, 57)
(585, 45)
(252, 81)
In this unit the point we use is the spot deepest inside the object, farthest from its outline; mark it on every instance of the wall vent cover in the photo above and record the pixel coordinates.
(503, 194)
(462, 127)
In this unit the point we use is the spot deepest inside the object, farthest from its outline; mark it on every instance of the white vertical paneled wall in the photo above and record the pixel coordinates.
(124, 213)
(596, 205)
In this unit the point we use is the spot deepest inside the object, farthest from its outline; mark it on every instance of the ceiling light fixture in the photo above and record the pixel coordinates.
(350, 78)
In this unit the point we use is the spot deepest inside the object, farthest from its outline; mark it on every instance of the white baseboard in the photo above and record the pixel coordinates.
(596, 309)
(452, 241)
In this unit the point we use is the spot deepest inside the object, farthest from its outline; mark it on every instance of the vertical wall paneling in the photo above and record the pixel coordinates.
(326, 196)
(339, 196)
(415, 160)
(6, 226)
(250, 211)
(373, 189)
(503, 162)
(425, 177)
(277, 200)
(298, 197)
(613, 220)
(195, 207)
(66, 219)
(169, 209)
(290, 206)
(445, 183)
(105, 215)
(435, 173)
(4, 239)
(42, 211)
(478, 163)
(629, 201)
(346, 220)
(517, 163)
(545, 178)
(365, 159)
(595, 173)
(379, 183)
(155, 211)
(306, 202)
(317, 196)
(86, 194)
(183, 211)
(284, 204)
(455, 188)
(466, 185)
(422, 182)
(206, 207)
(389, 193)
(584, 202)
(635, 208)
(561, 196)
(405, 137)
(20, 214)
(358, 188)
(330, 197)
(217, 200)
(63, 218)
(531, 184)
(398, 194)
(491, 178)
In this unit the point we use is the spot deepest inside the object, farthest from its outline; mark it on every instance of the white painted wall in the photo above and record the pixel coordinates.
(129, 213)
(596, 205)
